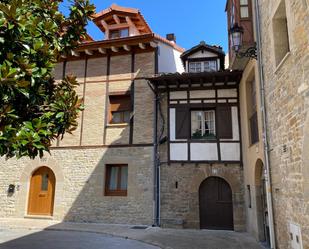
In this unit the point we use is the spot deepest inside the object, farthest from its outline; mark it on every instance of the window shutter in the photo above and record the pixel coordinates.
(120, 102)
(182, 123)
(224, 119)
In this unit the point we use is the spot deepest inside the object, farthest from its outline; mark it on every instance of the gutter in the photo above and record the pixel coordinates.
(267, 173)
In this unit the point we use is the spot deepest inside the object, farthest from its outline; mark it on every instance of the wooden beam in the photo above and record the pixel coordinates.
(74, 53)
(126, 47)
(114, 49)
(132, 26)
(142, 45)
(102, 50)
(88, 52)
(153, 44)
(116, 19)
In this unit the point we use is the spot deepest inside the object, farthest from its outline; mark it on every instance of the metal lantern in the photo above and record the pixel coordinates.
(236, 33)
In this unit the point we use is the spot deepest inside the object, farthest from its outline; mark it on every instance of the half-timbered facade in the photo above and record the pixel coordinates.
(200, 157)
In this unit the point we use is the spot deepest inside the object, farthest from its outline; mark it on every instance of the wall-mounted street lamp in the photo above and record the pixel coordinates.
(236, 33)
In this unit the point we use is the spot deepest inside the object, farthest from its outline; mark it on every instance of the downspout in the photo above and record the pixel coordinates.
(267, 173)
(156, 170)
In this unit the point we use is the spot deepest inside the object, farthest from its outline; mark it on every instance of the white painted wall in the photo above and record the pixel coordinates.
(179, 152)
(199, 54)
(169, 59)
(230, 151)
(204, 152)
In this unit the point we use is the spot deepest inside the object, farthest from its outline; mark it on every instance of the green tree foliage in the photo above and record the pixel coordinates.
(34, 109)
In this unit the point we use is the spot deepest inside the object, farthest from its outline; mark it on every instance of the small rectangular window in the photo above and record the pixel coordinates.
(116, 183)
(119, 33)
(203, 124)
(280, 33)
(120, 109)
(249, 196)
(210, 66)
(244, 9)
(44, 183)
(195, 67)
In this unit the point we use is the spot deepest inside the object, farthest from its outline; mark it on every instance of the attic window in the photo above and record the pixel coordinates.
(119, 33)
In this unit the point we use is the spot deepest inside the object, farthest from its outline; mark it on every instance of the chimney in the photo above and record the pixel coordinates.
(171, 37)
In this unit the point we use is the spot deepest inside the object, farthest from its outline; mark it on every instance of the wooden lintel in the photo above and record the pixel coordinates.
(126, 47)
(104, 24)
(88, 52)
(116, 19)
(76, 54)
(132, 26)
(102, 50)
(153, 44)
(142, 46)
(114, 49)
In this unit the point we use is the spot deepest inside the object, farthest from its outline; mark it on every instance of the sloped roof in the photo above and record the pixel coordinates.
(134, 14)
(203, 46)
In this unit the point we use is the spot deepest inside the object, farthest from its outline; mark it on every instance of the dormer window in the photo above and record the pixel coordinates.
(119, 33)
(203, 66)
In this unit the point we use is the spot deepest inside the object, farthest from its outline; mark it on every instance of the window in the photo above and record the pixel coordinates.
(249, 196)
(252, 113)
(280, 33)
(210, 66)
(203, 66)
(195, 67)
(116, 183)
(44, 183)
(120, 109)
(119, 33)
(203, 124)
(232, 14)
(244, 9)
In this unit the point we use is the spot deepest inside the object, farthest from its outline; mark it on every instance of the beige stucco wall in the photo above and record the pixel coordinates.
(286, 87)
(251, 153)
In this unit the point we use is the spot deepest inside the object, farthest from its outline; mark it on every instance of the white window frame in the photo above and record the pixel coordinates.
(202, 119)
(193, 66)
(241, 6)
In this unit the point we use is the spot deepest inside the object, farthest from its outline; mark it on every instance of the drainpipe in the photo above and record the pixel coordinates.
(156, 163)
(264, 129)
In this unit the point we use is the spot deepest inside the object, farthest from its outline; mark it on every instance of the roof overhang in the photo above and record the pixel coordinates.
(205, 80)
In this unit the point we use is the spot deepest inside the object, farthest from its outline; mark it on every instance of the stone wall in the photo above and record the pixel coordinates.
(180, 206)
(80, 181)
(287, 111)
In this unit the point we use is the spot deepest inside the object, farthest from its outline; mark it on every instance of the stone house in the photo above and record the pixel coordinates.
(199, 155)
(256, 209)
(280, 92)
(104, 171)
(284, 33)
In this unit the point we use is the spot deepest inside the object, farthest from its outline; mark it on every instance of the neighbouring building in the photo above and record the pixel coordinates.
(275, 110)
(242, 13)
(284, 31)
(104, 171)
(199, 137)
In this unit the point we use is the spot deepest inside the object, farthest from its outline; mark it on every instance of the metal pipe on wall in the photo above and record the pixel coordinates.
(267, 173)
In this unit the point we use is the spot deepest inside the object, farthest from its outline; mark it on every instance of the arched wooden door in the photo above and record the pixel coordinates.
(42, 192)
(216, 205)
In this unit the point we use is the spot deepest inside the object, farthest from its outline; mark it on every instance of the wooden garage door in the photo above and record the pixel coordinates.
(216, 205)
(42, 191)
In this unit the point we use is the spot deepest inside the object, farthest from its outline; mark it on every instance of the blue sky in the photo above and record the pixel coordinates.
(192, 21)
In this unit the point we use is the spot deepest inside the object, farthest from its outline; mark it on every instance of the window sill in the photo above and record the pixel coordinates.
(116, 193)
(117, 125)
(282, 62)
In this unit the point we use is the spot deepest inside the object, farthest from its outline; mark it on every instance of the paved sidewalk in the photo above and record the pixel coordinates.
(163, 238)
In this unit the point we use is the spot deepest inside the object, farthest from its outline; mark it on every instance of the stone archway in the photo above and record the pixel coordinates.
(216, 204)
